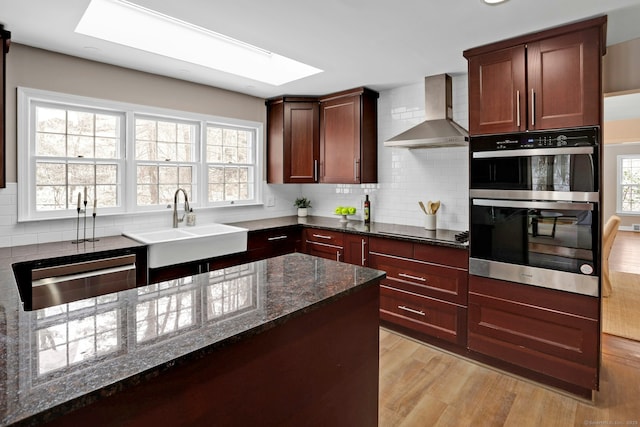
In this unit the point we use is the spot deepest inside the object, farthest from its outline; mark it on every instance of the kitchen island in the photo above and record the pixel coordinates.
(290, 340)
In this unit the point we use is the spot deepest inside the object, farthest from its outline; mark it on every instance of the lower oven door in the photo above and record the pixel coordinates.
(549, 244)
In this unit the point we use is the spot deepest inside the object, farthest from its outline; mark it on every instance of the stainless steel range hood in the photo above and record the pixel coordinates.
(439, 130)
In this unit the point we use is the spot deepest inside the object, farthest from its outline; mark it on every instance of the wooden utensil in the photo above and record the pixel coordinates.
(422, 207)
(435, 206)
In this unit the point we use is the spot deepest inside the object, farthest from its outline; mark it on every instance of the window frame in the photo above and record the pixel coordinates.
(132, 166)
(28, 97)
(257, 172)
(619, 184)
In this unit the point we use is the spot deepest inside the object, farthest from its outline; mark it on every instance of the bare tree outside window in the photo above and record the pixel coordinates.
(165, 160)
(75, 149)
(230, 163)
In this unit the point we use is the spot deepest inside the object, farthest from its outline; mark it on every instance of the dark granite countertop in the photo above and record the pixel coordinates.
(66, 356)
(440, 237)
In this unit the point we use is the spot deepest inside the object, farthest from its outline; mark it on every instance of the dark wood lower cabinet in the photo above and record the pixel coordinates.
(552, 333)
(356, 249)
(429, 316)
(269, 243)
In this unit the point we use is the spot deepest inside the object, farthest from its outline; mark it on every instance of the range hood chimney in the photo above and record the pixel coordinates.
(439, 130)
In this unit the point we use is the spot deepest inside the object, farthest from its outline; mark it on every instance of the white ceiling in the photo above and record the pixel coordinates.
(376, 43)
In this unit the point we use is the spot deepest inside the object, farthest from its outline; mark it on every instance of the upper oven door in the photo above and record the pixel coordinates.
(550, 235)
(563, 173)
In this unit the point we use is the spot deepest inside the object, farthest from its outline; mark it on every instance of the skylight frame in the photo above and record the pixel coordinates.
(128, 24)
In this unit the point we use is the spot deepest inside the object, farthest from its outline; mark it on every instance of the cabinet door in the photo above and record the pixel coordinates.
(293, 140)
(547, 331)
(564, 80)
(356, 249)
(340, 140)
(301, 142)
(497, 91)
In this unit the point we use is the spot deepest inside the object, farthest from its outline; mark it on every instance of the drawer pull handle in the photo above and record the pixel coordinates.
(322, 236)
(408, 276)
(411, 310)
(276, 238)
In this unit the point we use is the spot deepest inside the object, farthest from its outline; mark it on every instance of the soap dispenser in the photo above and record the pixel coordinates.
(191, 218)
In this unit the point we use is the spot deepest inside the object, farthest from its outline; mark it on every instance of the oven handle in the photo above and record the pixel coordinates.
(565, 206)
(529, 152)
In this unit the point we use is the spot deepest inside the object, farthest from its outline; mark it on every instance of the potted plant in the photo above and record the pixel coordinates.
(302, 203)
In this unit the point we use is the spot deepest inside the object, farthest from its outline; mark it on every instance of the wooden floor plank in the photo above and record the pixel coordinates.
(429, 387)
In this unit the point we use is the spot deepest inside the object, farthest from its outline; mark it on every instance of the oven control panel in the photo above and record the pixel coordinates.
(581, 137)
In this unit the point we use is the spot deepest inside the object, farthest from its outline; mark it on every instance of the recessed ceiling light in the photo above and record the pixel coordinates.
(494, 2)
(128, 24)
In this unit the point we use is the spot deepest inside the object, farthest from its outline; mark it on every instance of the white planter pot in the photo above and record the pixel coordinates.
(302, 212)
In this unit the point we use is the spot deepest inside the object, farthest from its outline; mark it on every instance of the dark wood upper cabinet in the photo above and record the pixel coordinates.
(293, 136)
(497, 90)
(348, 137)
(5, 39)
(547, 80)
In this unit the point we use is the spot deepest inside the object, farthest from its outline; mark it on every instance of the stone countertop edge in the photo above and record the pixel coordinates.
(407, 233)
(39, 410)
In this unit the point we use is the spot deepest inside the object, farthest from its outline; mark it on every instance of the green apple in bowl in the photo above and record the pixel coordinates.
(338, 210)
(344, 211)
(352, 210)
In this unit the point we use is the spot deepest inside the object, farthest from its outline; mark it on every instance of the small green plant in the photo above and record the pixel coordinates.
(302, 202)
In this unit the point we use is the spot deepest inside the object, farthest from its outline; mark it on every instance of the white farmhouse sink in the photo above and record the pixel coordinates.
(170, 246)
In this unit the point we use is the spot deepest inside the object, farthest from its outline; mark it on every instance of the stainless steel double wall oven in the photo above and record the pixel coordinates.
(535, 208)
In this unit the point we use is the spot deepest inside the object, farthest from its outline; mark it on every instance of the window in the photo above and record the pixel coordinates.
(165, 160)
(629, 184)
(230, 164)
(129, 158)
(75, 149)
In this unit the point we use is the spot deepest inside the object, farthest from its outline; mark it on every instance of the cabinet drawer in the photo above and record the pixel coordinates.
(391, 247)
(270, 243)
(422, 278)
(272, 238)
(441, 255)
(323, 236)
(425, 315)
(532, 332)
(324, 250)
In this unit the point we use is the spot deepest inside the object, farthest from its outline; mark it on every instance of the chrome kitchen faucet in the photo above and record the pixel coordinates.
(175, 207)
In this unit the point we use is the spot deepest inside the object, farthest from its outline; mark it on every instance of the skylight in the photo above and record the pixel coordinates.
(128, 24)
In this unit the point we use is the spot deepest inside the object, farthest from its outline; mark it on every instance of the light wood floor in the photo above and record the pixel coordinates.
(625, 252)
(423, 386)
